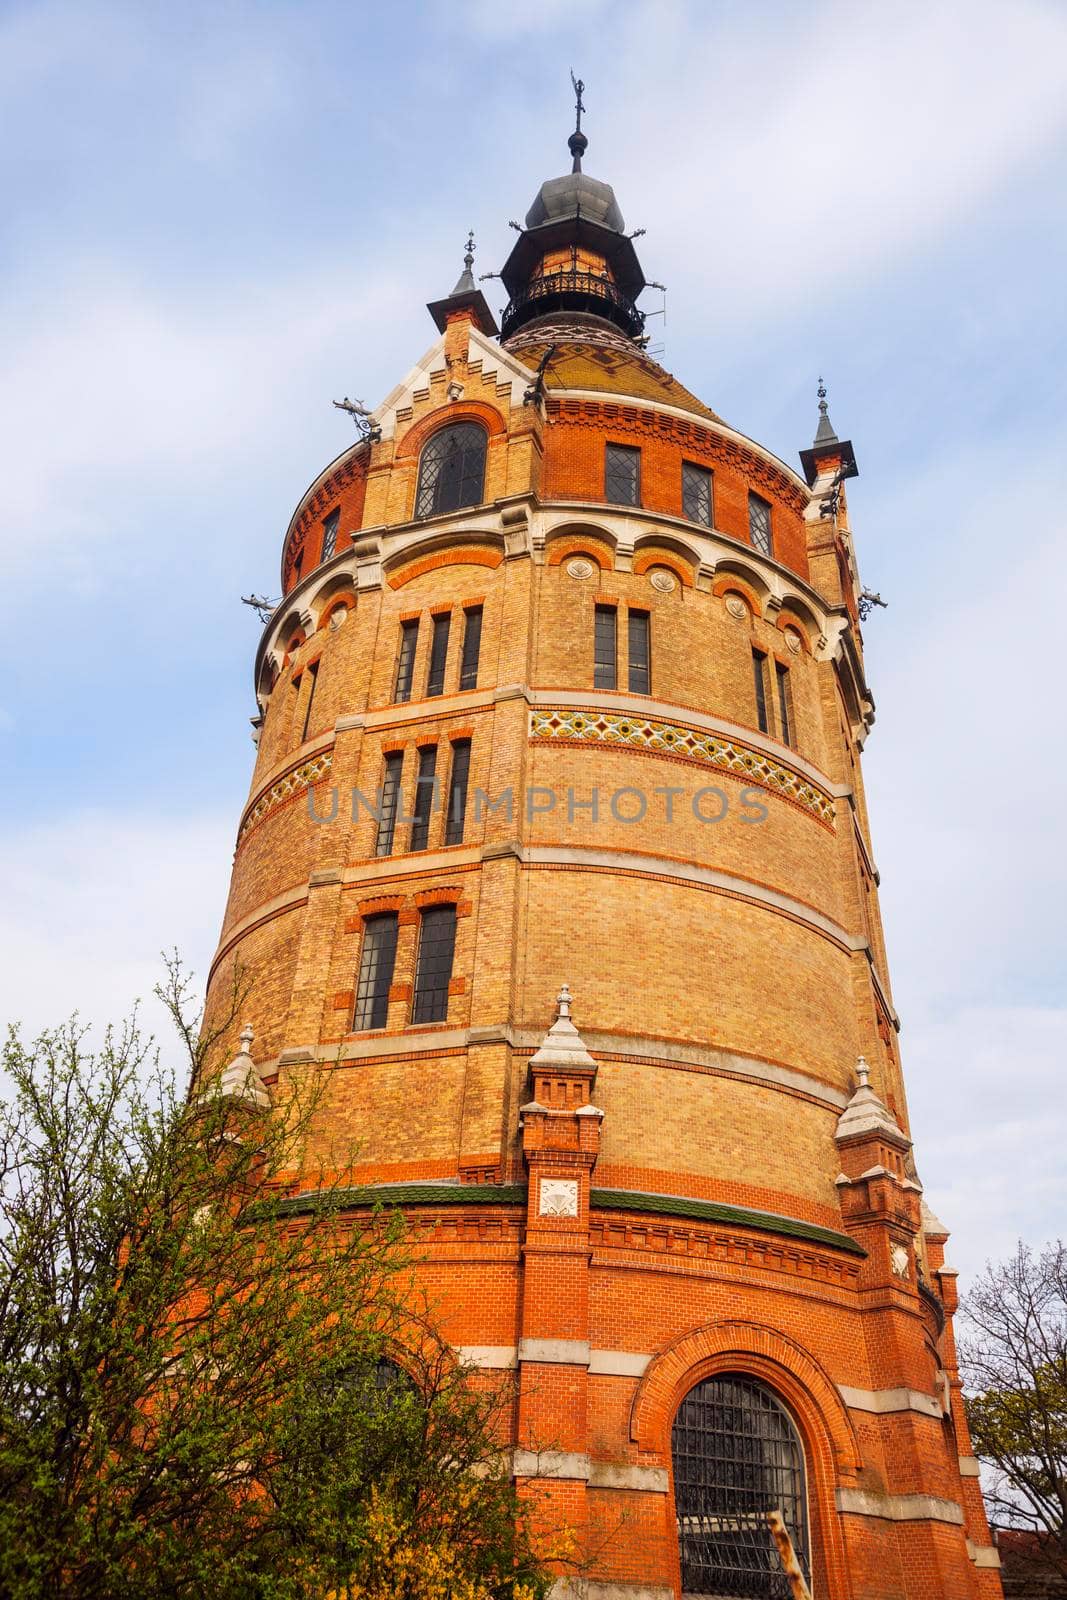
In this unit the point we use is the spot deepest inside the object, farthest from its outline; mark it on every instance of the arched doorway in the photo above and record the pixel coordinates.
(736, 1455)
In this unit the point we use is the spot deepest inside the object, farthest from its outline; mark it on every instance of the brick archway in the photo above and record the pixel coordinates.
(830, 1445)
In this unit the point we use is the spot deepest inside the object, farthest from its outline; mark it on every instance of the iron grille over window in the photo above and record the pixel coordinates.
(759, 524)
(389, 803)
(457, 791)
(435, 682)
(604, 647)
(329, 534)
(472, 645)
(405, 661)
(433, 972)
(736, 1456)
(759, 674)
(452, 470)
(376, 963)
(696, 494)
(313, 678)
(425, 794)
(785, 702)
(622, 475)
(639, 652)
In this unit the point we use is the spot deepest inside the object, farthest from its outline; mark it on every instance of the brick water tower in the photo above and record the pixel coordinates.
(556, 865)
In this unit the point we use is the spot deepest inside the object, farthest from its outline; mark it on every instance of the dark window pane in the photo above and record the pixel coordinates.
(376, 964)
(452, 470)
(736, 1456)
(472, 645)
(759, 673)
(329, 535)
(433, 972)
(604, 648)
(425, 794)
(759, 523)
(696, 493)
(435, 682)
(390, 800)
(639, 648)
(622, 475)
(457, 791)
(785, 702)
(313, 678)
(405, 661)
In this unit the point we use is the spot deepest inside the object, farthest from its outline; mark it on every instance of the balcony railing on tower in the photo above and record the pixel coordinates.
(570, 289)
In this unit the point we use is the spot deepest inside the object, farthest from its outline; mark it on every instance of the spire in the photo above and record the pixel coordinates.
(466, 296)
(562, 1048)
(866, 1114)
(828, 453)
(578, 144)
(824, 433)
(240, 1080)
(465, 283)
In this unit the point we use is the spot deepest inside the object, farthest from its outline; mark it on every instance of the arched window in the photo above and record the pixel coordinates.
(452, 470)
(736, 1456)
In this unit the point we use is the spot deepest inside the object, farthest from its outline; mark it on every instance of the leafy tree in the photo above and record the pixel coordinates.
(1014, 1360)
(210, 1387)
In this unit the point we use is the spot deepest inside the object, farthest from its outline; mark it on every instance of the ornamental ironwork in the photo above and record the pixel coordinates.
(572, 290)
(736, 1456)
(452, 470)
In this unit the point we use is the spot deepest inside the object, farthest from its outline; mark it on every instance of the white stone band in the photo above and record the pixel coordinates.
(898, 1507)
(881, 1401)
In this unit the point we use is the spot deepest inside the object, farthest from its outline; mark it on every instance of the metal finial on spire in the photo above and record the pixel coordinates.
(468, 259)
(824, 433)
(577, 143)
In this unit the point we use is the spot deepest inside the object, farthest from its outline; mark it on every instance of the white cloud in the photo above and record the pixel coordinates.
(792, 152)
(110, 386)
(986, 1092)
(90, 900)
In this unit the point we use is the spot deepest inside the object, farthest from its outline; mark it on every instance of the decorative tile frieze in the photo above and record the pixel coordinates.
(288, 785)
(675, 739)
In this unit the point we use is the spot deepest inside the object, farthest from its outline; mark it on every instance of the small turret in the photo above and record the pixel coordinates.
(828, 452)
(465, 298)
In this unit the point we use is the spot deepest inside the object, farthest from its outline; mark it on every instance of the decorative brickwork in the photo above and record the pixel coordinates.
(682, 743)
(688, 1171)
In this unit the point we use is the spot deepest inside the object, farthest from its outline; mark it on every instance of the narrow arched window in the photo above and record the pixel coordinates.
(451, 470)
(736, 1456)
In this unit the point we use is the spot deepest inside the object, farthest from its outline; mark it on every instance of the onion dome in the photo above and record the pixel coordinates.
(573, 254)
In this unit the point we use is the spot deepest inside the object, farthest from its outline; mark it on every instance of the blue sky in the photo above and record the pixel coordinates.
(219, 218)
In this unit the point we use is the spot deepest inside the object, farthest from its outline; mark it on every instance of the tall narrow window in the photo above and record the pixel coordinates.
(785, 702)
(759, 524)
(451, 470)
(640, 653)
(457, 791)
(425, 792)
(622, 475)
(736, 1456)
(390, 801)
(329, 534)
(405, 661)
(759, 676)
(604, 647)
(435, 681)
(472, 645)
(376, 962)
(696, 493)
(433, 969)
(313, 678)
